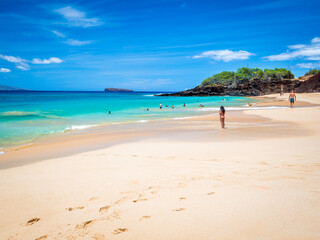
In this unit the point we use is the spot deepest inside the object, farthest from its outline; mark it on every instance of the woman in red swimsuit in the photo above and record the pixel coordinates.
(222, 116)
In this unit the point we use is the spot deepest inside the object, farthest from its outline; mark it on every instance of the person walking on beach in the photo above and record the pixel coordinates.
(292, 98)
(222, 112)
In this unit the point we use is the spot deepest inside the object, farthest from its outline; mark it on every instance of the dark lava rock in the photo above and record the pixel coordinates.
(310, 85)
(253, 87)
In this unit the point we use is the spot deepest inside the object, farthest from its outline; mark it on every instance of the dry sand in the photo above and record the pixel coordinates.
(257, 179)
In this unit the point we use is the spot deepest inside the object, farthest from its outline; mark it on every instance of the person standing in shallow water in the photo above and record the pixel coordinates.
(222, 113)
(292, 98)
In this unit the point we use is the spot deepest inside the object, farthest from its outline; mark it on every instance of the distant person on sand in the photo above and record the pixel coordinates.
(292, 98)
(222, 116)
(160, 105)
(281, 90)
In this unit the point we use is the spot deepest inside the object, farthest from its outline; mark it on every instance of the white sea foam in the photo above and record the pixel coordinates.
(79, 127)
(181, 118)
(57, 131)
(2, 152)
(142, 121)
(149, 95)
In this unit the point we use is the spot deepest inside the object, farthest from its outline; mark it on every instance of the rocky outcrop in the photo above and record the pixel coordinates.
(117, 90)
(253, 87)
(310, 85)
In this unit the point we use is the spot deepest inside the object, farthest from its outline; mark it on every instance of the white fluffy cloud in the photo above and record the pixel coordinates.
(74, 42)
(20, 62)
(77, 18)
(5, 70)
(46, 61)
(316, 40)
(225, 55)
(299, 51)
(12, 59)
(308, 65)
(23, 64)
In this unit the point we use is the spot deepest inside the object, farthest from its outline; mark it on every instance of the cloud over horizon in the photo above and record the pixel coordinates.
(23, 64)
(225, 55)
(19, 62)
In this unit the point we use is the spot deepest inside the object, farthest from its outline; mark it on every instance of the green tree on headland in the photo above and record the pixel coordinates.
(227, 78)
(312, 72)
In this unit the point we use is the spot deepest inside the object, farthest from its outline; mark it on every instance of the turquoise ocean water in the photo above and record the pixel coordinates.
(26, 116)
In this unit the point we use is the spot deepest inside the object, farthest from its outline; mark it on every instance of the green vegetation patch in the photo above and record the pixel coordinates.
(227, 78)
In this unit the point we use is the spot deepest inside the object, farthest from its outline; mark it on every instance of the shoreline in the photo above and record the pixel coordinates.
(46, 121)
(124, 129)
(74, 140)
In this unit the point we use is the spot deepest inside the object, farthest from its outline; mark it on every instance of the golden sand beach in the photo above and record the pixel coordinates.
(173, 179)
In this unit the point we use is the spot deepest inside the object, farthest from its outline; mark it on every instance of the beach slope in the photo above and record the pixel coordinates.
(257, 179)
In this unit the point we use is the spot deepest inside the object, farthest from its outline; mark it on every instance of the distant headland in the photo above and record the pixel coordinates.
(9, 88)
(117, 90)
(254, 82)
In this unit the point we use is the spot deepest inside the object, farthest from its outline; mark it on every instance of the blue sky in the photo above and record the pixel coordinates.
(151, 45)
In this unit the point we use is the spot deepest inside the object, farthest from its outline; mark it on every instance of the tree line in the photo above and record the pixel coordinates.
(244, 73)
(312, 72)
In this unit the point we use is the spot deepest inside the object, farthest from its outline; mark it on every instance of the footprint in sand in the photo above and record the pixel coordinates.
(121, 200)
(32, 221)
(104, 209)
(93, 198)
(140, 200)
(144, 217)
(154, 189)
(113, 215)
(178, 209)
(210, 193)
(85, 224)
(42, 238)
(182, 198)
(119, 230)
(98, 236)
(72, 209)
